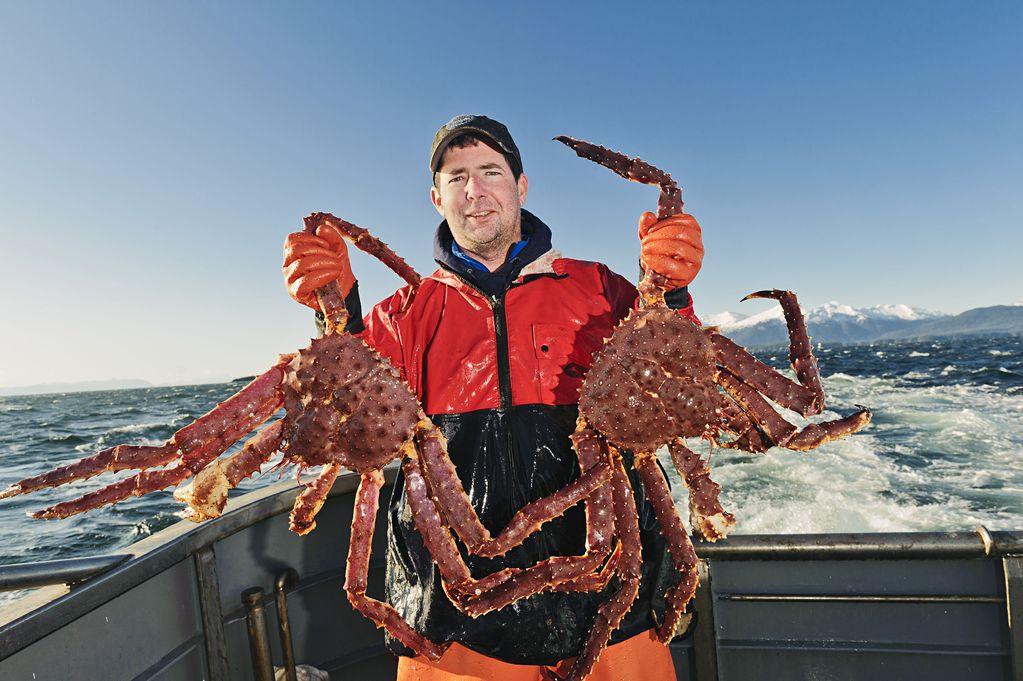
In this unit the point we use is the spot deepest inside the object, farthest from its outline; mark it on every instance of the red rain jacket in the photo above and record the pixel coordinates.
(500, 376)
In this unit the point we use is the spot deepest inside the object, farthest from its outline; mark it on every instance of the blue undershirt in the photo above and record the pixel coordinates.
(476, 264)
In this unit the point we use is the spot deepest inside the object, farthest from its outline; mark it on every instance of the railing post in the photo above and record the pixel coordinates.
(288, 577)
(1013, 567)
(212, 615)
(259, 639)
(705, 644)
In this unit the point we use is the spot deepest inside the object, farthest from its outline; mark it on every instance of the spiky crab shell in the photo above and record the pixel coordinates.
(346, 404)
(653, 381)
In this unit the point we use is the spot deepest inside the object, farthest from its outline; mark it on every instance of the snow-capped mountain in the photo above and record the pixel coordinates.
(722, 319)
(838, 323)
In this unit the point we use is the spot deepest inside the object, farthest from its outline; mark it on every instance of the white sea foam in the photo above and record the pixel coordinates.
(137, 428)
(938, 458)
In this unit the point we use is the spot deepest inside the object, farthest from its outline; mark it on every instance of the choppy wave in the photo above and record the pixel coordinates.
(138, 429)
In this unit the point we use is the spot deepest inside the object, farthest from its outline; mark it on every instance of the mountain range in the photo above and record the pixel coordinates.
(837, 323)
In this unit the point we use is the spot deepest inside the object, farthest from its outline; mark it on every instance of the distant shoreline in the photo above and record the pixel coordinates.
(95, 386)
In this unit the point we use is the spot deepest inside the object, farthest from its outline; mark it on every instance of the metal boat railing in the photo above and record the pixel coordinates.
(50, 572)
(889, 545)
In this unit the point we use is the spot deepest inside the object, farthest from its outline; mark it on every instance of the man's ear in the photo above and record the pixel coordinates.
(436, 200)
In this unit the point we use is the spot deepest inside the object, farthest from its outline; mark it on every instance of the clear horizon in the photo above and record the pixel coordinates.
(155, 156)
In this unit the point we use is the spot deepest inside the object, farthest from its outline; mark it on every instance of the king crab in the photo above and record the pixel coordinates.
(346, 408)
(658, 380)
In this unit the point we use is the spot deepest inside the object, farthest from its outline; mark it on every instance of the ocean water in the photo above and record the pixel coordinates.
(943, 451)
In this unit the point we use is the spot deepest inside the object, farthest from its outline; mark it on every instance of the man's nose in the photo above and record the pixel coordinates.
(474, 188)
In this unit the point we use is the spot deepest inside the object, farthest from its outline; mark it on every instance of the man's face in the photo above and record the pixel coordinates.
(480, 198)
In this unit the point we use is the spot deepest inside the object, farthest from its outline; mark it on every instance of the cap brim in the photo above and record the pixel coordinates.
(438, 154)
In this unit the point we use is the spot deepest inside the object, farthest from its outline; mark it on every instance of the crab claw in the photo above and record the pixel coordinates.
(11, 491)
(773, 294)
(800, 352)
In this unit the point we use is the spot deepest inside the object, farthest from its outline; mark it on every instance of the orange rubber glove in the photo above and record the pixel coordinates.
(311, 261)
(672, 247)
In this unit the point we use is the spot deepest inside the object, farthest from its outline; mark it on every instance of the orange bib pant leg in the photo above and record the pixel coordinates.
(640, 658)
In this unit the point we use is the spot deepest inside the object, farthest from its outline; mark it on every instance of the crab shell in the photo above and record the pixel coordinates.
(652, 382)
(345, 404)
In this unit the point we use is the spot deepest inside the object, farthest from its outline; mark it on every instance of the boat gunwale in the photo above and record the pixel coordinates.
(979, 543)
(150, 557)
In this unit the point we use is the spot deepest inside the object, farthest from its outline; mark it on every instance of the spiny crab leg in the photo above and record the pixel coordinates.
(789, 394)
(780, 431)
(431, 526)
(770, 422)
(669, 203)
(206, 495)
(636, 169)
(582, 572)
(477, 596)
(801, 358)
(679, 545)
(746, 435)
(600, 524)
(610, 614)
(311, 500)
(367, 501)
(192, 444)
(148, 481)
(706, 515)
(365, 242)
(330, 297)
(447, 488)
(800, 353)
(746, 379)
(816, 434)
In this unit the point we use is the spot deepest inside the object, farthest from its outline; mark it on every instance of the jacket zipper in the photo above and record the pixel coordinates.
(503, 363)
(500, 336)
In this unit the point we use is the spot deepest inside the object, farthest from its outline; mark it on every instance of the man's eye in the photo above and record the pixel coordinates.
(456, 178)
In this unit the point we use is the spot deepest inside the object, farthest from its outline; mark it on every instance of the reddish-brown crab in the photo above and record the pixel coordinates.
(346, 407)
(661, 379)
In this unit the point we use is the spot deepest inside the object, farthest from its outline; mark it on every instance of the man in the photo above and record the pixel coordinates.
(495, 345)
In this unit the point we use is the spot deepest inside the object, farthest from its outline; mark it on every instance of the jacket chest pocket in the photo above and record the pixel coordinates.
(563, 356)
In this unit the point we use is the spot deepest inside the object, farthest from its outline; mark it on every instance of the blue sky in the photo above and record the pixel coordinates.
(153, 156)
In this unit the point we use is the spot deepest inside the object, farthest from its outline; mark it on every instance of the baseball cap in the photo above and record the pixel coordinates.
(481, 125)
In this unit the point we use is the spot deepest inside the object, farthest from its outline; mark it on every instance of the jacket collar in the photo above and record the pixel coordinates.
(535, 233)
